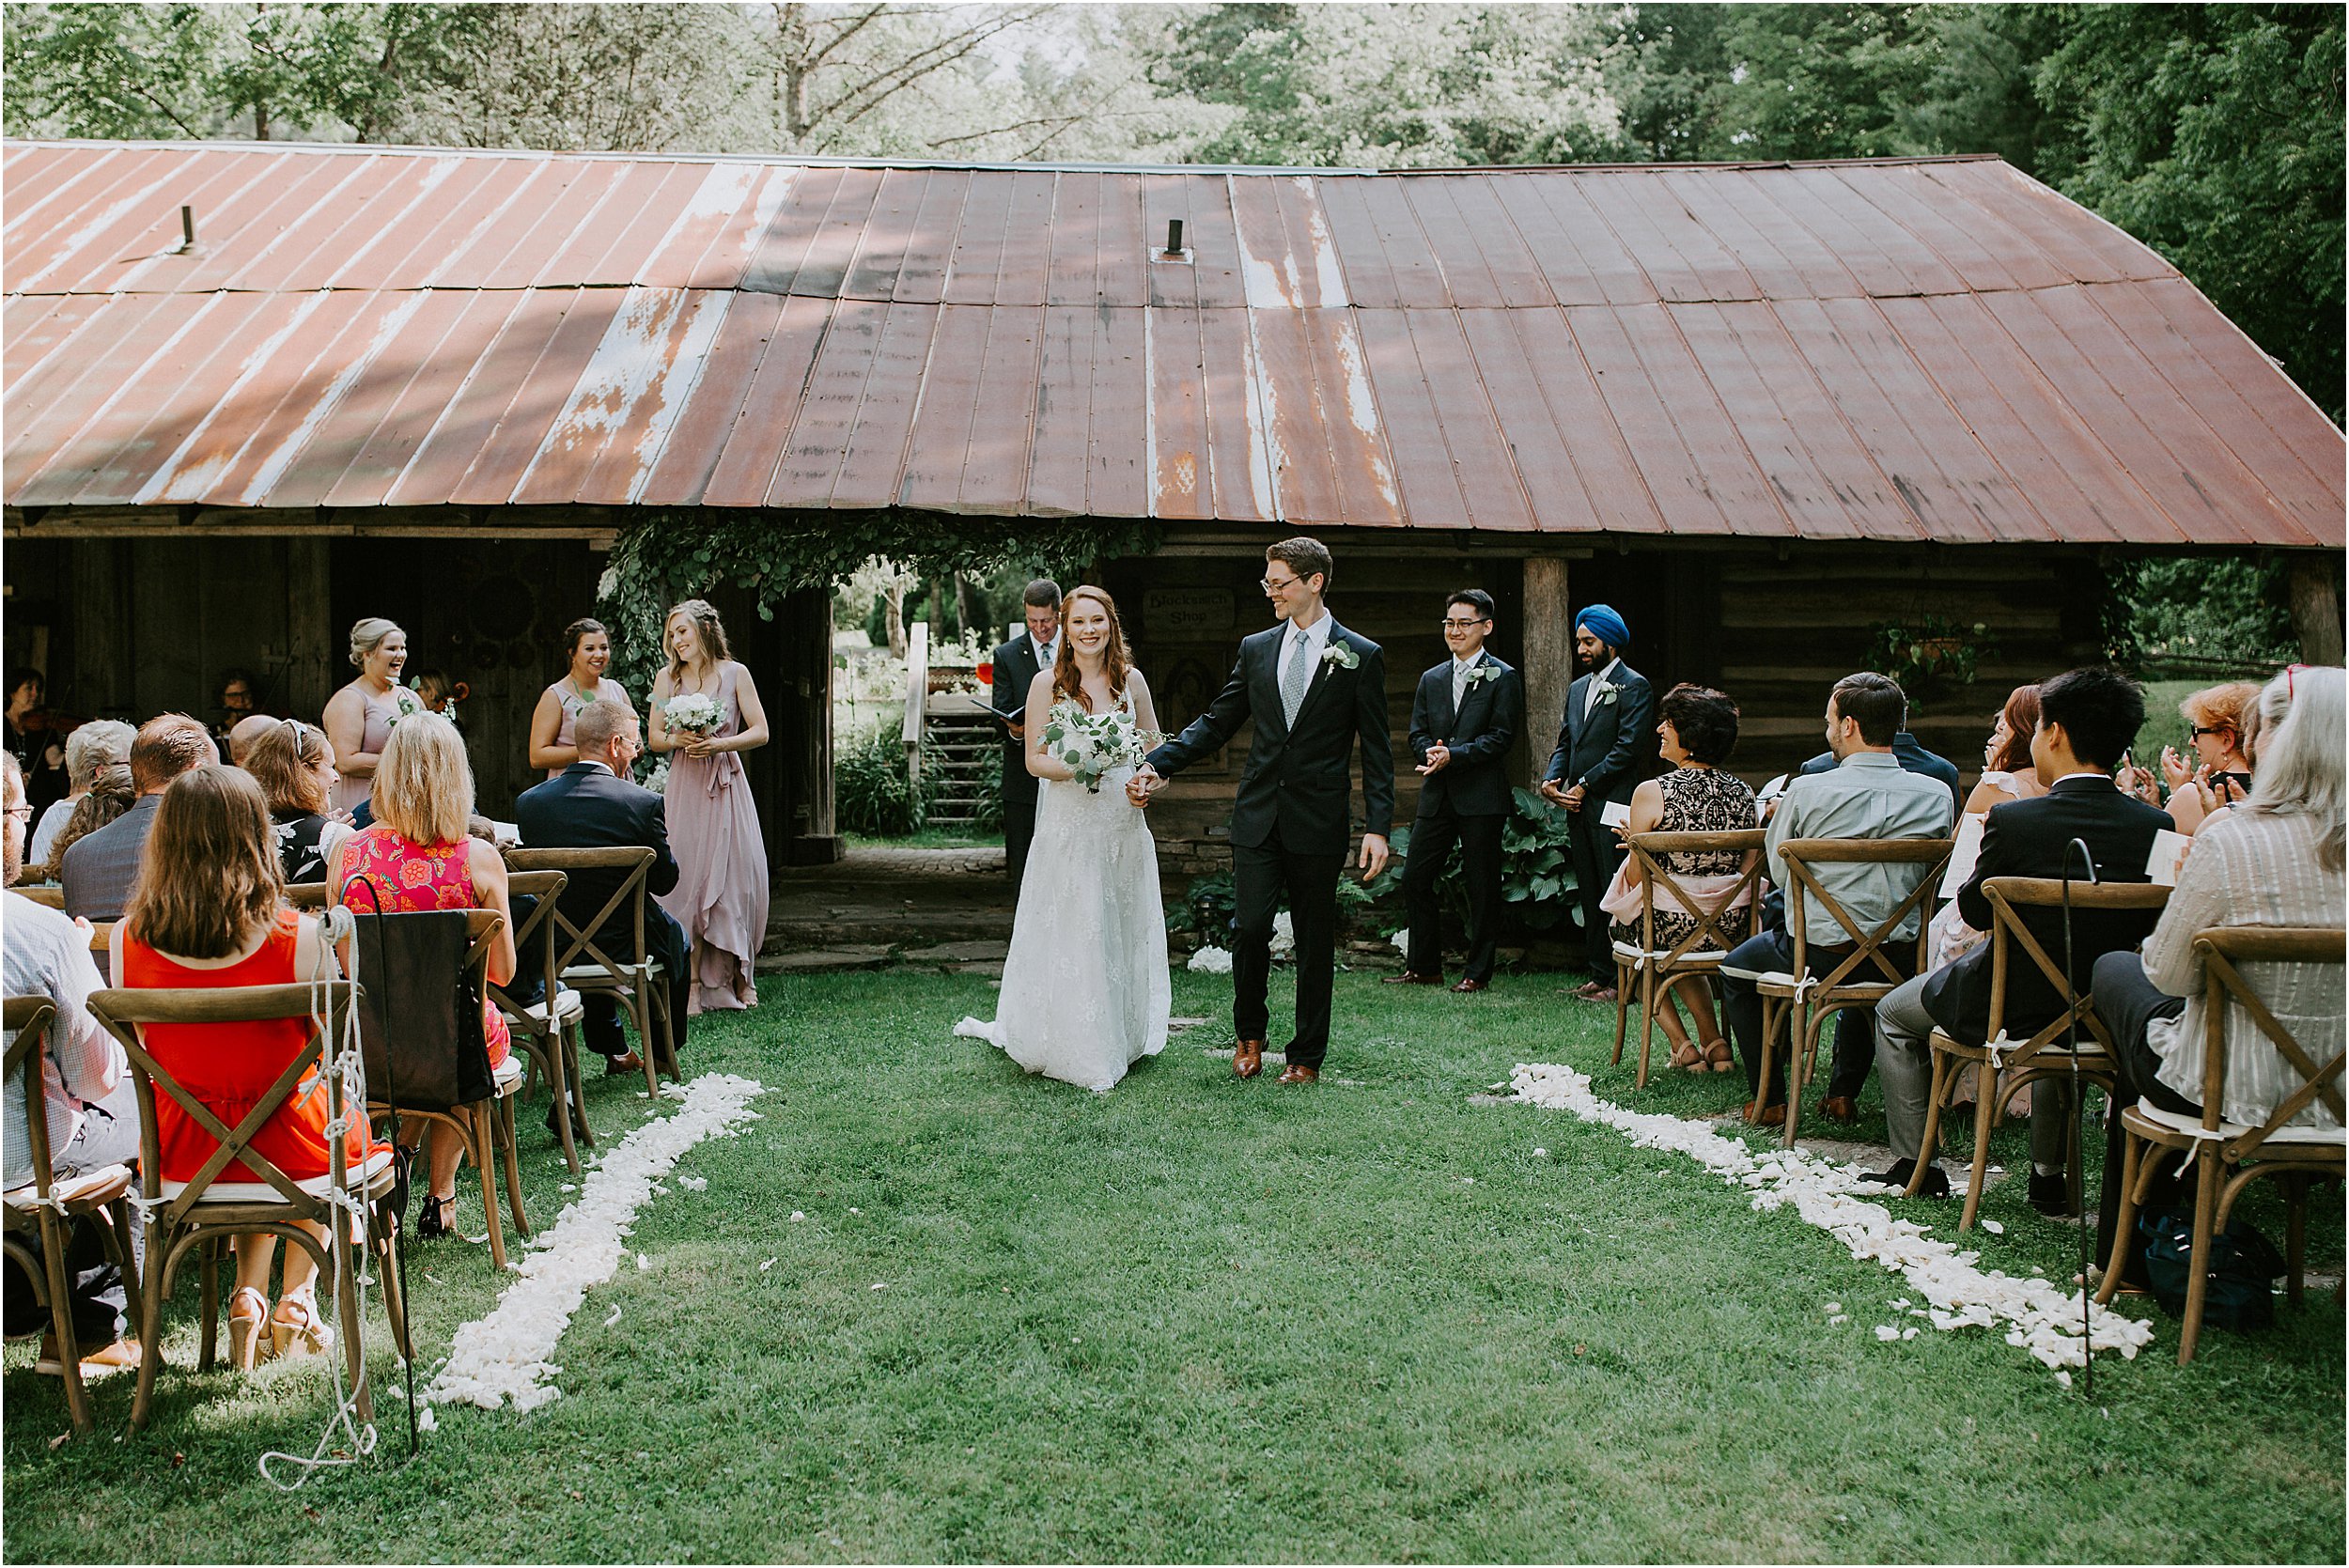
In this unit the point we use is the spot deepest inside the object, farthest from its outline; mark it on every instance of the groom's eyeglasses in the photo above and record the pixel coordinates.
(1274, 585)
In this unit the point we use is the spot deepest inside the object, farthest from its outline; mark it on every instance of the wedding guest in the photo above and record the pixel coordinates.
(1600, 754)
(417, 855)
(1464, 719)
(1697, 729)
(721, 895)
(295, 767)
(1015, 667)
(243, 733)
(2086, 719)
(35, 739)
(1909, 753)
(107, 800)
(99, 870)
(91, 1107)
(2276, 860)
(359, 717)
(2220, 773)
(588, 653)
(209, 911)
(2007, 774)
(236, 704)
(592, 805)
(1870, 795)
(99, 744)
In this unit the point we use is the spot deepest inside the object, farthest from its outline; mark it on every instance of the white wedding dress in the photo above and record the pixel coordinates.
(1085, 991)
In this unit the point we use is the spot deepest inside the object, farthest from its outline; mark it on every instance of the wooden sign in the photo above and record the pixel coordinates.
(1172, 614)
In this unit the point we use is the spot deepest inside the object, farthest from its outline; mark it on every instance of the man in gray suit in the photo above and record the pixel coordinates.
(100, 867)
(1603, 743)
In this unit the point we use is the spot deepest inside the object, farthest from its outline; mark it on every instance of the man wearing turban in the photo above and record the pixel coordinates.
(1603, 742)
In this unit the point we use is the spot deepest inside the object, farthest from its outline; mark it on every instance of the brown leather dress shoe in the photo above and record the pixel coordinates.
(1248, 1059)
(1301, 1075)
(1469, 987)
(1837, 1108)
(1765, 1115)
(1407, 978)
(619, 1067)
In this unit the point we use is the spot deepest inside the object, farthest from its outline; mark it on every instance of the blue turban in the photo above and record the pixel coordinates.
(1601, 622)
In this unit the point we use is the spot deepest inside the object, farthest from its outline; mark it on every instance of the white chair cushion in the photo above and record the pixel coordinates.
(509, 1072)
(2180, 1122)
(568, 1006)
(1762, 977)
(261, 1192)
(1653, 954)
(80, 1187)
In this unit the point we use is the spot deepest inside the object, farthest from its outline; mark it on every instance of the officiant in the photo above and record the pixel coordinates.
(1015, 664)
(1464, 719)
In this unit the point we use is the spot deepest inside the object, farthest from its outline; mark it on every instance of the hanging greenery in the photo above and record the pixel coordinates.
(680, 552)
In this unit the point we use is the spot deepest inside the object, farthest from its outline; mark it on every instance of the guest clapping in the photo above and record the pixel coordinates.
(99, 744)
(2220, 771)
(587, 650)
(721, 897)
(359, 717)
(295, 767)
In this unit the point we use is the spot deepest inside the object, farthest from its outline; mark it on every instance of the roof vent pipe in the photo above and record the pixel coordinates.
(1174, 237)
(187, 229)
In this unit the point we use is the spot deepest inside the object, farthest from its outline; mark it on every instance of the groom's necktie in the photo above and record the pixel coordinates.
(1295, 676)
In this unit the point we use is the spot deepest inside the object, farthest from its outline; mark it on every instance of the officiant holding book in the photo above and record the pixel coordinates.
(1016, 663)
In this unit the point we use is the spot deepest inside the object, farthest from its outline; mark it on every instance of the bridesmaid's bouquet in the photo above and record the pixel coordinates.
(407, 702)
(694, 713)
(1093, 743)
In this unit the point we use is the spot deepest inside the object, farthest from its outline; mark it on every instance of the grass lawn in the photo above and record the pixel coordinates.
(1202, 1319)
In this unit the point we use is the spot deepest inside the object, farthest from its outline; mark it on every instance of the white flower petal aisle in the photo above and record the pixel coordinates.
(506, 1355)
(2040, 1319)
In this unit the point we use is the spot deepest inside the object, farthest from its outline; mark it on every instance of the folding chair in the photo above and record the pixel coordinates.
(640, 982)
(1801, 1002)
(549, 1028)
(208, 1209)
(2005, 1064)
(41, 1207)
(1695, 956)
(2239, 1152)
(484, 1127)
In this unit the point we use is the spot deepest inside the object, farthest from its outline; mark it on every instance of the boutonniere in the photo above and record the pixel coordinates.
(1607, 695)
(1342, 656)
(1484, 673)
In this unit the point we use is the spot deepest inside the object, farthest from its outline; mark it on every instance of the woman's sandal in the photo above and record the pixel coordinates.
(296, 1328)
(1719, 1057)
(245, 1329)
(1686, 1059)
(438, 1218)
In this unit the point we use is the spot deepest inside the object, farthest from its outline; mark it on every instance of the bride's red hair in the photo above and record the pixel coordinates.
(1068, 682)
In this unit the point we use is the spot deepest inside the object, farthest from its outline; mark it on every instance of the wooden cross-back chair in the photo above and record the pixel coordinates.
(2229, 1155)
(639, 983)
(549, 1028)
(2005, 1065)
(483, 1126)
(310, 897)
(211, 1207)
(1697, 956)
(49, 895)
(41, 1207)
(1799, 1002)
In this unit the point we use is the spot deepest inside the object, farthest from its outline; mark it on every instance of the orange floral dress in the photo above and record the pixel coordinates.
(414, 878)
(228, 1066)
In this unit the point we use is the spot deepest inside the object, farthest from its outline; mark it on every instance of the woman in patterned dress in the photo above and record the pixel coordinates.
(1697, 728)
(587, 650)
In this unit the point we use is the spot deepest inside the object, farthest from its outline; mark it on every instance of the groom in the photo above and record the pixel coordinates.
(1312, 686)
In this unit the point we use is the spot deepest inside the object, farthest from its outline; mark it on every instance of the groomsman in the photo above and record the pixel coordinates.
(1464, 720)
(1016, 663)
(1602, 743)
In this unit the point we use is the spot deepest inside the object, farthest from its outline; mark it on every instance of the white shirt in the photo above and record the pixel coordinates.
(1315, 636)
(600, 767)
(1589, 694)
(45, 831)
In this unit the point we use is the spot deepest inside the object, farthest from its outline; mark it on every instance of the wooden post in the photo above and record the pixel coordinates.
(102, 627)
(2316, 606)
(1549, 658)
(312, 657)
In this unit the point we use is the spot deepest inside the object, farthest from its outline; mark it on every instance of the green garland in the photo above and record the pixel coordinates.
(669, 555)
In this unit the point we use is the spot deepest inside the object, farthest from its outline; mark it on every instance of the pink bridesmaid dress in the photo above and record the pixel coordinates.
(720, 894)
(349, 793)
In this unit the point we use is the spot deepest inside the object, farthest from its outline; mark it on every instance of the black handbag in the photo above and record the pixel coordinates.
(2243, 1266)
(420, 1017)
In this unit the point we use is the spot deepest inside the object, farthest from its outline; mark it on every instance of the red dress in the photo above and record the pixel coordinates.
(411, 877)
(229, 1067)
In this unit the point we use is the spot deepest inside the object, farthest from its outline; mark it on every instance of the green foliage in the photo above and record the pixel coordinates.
(1928, 654)
(871, 792)
(2202, 614)
(1536, 868)
(1210, 906)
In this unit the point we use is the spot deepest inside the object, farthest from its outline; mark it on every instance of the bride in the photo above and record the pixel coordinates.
(1085, 992)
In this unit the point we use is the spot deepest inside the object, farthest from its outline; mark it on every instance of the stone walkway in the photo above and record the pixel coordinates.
(944, 911)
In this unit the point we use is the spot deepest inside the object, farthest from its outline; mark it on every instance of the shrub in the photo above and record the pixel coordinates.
(871, 794)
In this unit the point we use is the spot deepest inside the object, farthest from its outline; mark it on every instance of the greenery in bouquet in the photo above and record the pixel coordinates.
(694, 713)
(1092, 744)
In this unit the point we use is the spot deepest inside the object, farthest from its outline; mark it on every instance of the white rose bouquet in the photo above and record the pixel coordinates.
(694, 713)
(1093, 743)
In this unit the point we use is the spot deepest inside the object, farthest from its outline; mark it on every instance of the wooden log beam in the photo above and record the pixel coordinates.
(1549, 658)
(2316, 607)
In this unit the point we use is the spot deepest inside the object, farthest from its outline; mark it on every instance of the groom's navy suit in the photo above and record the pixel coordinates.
(1465, 803)
(1290, 824)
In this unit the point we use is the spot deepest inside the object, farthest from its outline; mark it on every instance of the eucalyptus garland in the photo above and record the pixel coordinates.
(676, 554)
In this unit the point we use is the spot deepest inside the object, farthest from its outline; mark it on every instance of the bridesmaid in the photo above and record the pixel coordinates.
(720, 894)
(359, 717)
(588, 647)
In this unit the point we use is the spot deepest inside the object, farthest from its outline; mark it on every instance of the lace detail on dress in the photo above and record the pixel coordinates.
(1698, 801)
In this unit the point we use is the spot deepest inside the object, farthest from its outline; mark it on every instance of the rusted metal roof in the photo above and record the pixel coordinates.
(1933, 349)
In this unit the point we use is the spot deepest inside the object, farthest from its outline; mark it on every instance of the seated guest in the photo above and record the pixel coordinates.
(209, 911)
(1869, 795)
(591, 805)
(2218, 720)
(417, 856)
(295, 767)
(99, 870)
(108, 799)
(100, 743)
(2086, 720)
(244, 732)
(587, 650)
(2007, 774)
(1697, 730)
(87, 1094)
(2276, 860)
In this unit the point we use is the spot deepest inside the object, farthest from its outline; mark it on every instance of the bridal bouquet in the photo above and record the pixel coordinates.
(694, 713)
(1093, 743)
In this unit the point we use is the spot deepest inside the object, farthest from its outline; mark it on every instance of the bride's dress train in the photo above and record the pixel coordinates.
(1085, 989)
